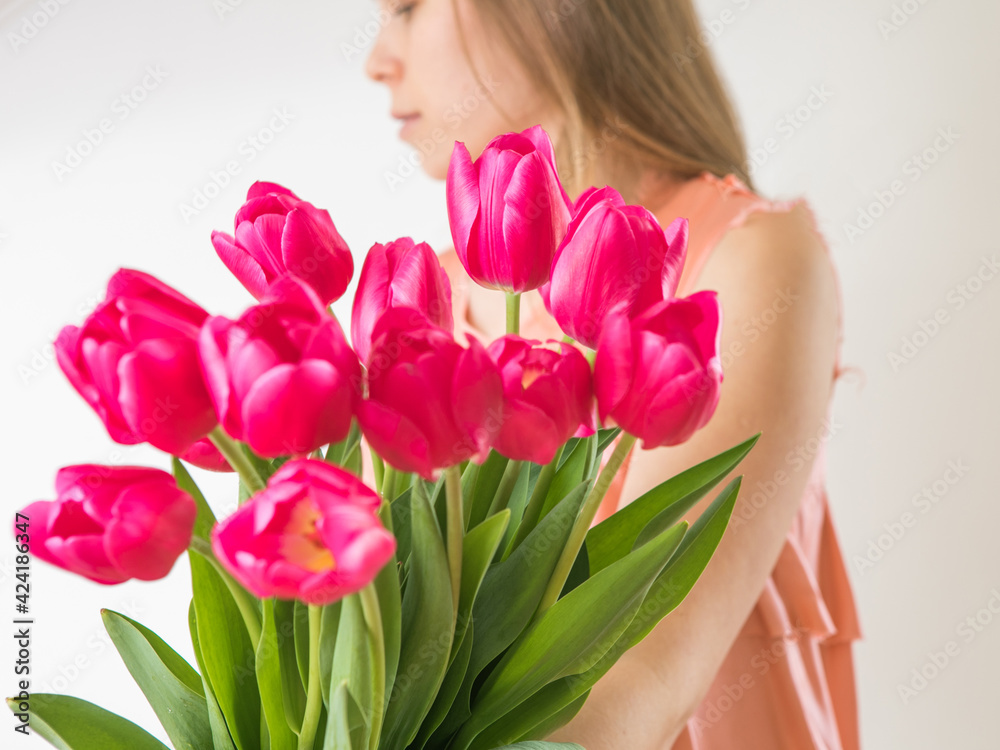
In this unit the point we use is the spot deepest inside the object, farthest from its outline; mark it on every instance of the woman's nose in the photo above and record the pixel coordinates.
(382, 66)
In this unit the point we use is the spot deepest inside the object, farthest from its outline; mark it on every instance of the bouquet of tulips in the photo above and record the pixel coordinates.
(413, 561)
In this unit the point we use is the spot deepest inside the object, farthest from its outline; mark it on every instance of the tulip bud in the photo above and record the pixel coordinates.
(112, 523)
(658, 376)
(135, 362)
(400, 274)
(282, 377)
(548, 397)
(613, 254)
(432, 403)
(507, 209)
(278, 234)
(312, 534)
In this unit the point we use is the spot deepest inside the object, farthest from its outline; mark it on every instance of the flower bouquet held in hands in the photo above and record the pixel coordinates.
(451, 591)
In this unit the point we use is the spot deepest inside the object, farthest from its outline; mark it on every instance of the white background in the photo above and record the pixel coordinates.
(890, 89)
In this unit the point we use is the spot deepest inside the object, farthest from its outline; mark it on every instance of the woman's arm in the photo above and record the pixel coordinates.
(778, 375)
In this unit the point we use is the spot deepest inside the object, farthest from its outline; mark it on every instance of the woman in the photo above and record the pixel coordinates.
(759, 653)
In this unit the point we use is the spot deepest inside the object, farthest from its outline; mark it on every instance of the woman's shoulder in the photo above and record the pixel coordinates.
(738, 229)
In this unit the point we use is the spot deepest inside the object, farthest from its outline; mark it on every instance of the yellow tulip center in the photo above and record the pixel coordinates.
(530, 374)
(301, 543)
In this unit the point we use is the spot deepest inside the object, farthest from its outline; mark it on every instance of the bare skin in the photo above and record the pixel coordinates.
(779, 384)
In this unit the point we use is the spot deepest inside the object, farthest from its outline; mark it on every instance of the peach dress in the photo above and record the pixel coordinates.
(788, 680)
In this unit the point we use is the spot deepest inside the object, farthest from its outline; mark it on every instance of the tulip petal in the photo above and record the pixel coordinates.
(676, 235)
(163, 394)
(528, 434)
(614, 364)
(151, 529)
(396, 439)
(261, 238)
(128, 283)
(85, 556)
(462, 188)
(477, 399)
(313, 250)
(294, 409)
(240, 264)
(261, 188)
(212, 349)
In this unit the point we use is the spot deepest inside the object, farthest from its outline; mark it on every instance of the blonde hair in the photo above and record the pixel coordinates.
(636, 85)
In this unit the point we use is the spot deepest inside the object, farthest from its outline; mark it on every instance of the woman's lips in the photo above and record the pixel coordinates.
(408, 123)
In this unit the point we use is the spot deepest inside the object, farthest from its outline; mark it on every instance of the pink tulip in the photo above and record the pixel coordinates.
(548, 397)
(400, 274)
(205, 455)
(135, 362)
(278, 234)
(508, 211)
(658, 376)
(432, 403)
(112, 523)
(612, 254)
(282, 377)
(312, 534)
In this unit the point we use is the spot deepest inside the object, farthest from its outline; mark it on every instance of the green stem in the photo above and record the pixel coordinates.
(378, 468)
(513, 313)
(244, 600)
(582, 524)
(533, 509)
(389, 483)
(506, 488)
(373, 619)
(234, 455)
(456, 522)
(314, 694)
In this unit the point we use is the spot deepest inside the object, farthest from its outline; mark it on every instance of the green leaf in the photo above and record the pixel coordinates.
(390, 607)
(573, 634)
(668, 590)
(659, 508)
(300, 627)
(509, 596)
(271, 680)
(70, 723)
(469, 477)
(537, 745)
(171, 686)
(478, 548)
(352, 662)
(328, 630)
(685, 567)
(264, 467)
(449, 689)
(338, 727)
(205, 519)
(428, 627)
(591, 466)
(335, 452)
(293, 694)
(517, 505)
(401, 523)
(569, 475)
(487, 484)
(221, 739)
(352, 460)
(605, 436)
(227, 652)
(549, 721)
